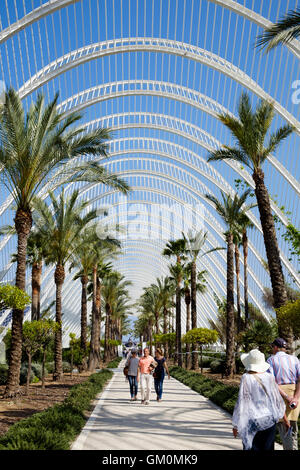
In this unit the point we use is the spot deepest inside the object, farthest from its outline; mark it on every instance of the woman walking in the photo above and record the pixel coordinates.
(133, 374)
(159, 373)
(259, 405)
(146, 364)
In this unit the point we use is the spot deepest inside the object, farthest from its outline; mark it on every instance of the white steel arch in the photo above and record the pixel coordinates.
(122, 45)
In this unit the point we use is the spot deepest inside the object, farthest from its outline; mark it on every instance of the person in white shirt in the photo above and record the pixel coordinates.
(259, 405)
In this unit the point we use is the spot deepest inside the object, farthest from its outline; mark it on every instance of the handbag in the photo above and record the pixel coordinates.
(152, 367)
(125, 370)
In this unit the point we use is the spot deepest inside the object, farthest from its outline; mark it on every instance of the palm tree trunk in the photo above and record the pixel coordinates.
(23, 223)
(272, 250)
(246, 303)
(36, 275)
(270, 239)
(178, 327)
(59, 277)
(229, 364)
(165, 326)
(188, 326)
(28, 373)
(237, 269)
(94, 355)
(157, 322)
(150, 336)
(43, 368)
(83, 332)
(195, 359)
(106, 334)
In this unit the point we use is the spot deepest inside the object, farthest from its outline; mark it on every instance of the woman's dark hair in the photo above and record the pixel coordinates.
(159, 351)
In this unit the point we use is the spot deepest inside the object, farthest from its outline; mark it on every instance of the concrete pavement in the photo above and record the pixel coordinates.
(183, 420)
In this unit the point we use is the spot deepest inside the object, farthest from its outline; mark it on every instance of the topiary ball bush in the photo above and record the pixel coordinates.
(216, 366)
(38, 370)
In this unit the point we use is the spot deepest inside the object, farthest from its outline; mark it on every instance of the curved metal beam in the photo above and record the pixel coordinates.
(124, 45)
(51, 6)
(35, 15)
(117, 89)
(195, 134)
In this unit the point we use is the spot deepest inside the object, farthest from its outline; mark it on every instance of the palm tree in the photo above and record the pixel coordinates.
(62, 228)
(245, 223)
(282, 32)
(177, 248)
(229, 209)
(177, 273)
(114, 288)
(162, 293)
(32, 148)
(101, 250)
(236, 242)
(194, 245)
(250, 131)
(83, 261)
(36, 249)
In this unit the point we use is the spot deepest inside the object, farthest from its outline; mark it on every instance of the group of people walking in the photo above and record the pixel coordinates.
(269, 399)
(269, 394)
(143, 370)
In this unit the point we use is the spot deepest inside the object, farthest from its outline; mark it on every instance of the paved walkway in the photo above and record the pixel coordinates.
(183, 420)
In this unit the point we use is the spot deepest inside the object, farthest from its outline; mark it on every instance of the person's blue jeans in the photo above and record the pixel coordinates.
(133, 384)
(158, 383)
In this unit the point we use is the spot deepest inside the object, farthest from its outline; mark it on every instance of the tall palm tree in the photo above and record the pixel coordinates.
(228, 208)
(250, 130)
(161, 297)
(33, 147)
(245, 224)
(195, 242)
(83, 261)
(62, 228)
(177, 248)
(176, 275)
(237, 242)
(101, 251)
(281, 32)
(36, 249)
(115, 286)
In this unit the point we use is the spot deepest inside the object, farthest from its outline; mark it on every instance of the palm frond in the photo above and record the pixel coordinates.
(283, 31)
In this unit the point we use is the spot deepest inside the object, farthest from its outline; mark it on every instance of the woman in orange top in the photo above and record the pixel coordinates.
(146, 378)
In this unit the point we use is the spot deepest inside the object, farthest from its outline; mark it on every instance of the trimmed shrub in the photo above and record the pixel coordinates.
(37, 369)
(57, 427)
(50, 367)
(217, 366)
(114, 363)
(23, 374)
(66, 367)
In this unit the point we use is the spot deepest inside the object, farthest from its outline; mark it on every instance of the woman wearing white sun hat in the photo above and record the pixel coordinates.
(259, 405)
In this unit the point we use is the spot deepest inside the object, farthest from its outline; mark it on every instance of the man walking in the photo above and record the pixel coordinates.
(286, 370)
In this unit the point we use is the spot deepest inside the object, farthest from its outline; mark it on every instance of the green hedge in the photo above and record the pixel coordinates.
(222, 395)
(58, 426)
(114, 363)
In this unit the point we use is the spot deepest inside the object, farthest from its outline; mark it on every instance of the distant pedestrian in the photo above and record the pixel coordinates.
(159, 373)
(259, 405)
(146, 364)
(286, 370)
(133, 374)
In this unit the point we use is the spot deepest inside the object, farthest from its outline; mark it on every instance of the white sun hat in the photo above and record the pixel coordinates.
(255, 361)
